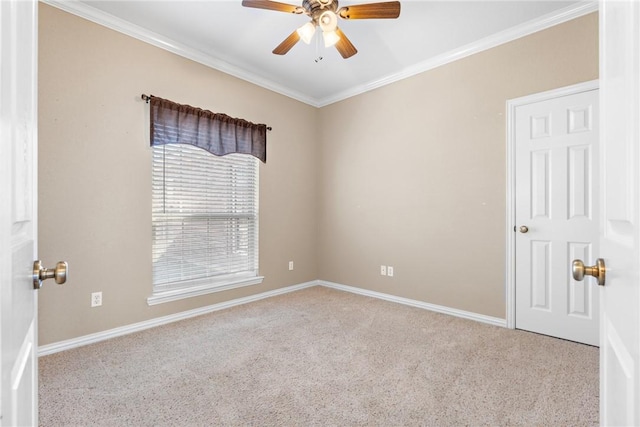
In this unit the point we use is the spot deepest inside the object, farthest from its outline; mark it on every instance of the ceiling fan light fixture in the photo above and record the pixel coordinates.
(306, 32)
(330, 38)
(328, 21)
(324, 14)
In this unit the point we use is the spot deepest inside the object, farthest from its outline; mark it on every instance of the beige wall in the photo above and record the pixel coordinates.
(413, 174)
(410, 175)
(95, 194)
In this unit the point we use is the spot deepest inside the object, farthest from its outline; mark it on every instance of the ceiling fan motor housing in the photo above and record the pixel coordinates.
(315, 8)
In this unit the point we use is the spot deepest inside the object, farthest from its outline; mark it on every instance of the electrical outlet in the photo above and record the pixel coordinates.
(96, 299)
(390, 271)
(290, 265)
(383, 270)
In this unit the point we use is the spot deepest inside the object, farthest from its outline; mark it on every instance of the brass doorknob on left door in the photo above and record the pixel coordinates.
(524, 229)
(579, 270)
(59, 274)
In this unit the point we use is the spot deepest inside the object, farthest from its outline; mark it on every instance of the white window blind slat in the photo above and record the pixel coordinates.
(204, 215)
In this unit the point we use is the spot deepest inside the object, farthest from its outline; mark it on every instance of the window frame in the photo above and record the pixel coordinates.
(172, 291)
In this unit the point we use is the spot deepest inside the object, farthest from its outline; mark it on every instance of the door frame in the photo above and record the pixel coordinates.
(510, 262)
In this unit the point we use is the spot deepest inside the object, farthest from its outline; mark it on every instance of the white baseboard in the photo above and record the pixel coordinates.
(495, 321)
(147, 324)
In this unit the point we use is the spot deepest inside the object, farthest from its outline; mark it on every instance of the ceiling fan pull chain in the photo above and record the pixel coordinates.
(318, 57)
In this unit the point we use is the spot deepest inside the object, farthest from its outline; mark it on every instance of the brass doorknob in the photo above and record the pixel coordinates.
(524, 229)
(59, 274)
(579, 270)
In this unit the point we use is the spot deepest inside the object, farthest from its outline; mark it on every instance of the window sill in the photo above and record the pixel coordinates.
(160, 297)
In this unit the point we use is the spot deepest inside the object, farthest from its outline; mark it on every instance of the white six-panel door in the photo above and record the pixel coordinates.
(18, 150)
(556, 218)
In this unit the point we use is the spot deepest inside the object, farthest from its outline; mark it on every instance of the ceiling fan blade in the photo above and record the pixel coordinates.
(273, 5)
(344, 45)
(384, 10)
(287, 43)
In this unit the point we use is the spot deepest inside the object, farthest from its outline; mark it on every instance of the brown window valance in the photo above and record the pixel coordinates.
(217, 133)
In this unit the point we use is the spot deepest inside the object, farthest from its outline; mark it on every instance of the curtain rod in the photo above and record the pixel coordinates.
(147, 98)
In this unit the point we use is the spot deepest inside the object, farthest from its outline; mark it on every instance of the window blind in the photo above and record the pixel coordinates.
(204, 215)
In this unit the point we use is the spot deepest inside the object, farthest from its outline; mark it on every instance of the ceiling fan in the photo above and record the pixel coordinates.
(324, 14)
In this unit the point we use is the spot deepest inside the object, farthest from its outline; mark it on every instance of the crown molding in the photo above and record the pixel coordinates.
(92, 14)
(87, 12)
(506, 36)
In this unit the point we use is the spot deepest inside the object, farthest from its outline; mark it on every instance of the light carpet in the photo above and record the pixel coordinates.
(320, 357)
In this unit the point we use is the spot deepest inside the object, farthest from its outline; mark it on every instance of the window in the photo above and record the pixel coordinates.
(205, 222)
(205, 200)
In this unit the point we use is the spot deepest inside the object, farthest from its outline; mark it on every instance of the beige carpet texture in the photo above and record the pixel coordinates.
(321, 357)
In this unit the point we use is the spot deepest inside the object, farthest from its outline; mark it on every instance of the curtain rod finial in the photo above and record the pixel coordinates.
(147, 98)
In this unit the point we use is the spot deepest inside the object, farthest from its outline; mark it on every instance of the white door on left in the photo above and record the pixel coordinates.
(18, 208)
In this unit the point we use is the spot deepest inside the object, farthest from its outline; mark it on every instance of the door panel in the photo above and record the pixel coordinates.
(580, 293)
(540, 184)
(620, 232)
(556, 144)
(579, 182)
(18, 133)
(540, 275)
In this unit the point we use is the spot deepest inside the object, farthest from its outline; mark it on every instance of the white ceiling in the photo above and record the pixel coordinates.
(239, 40)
